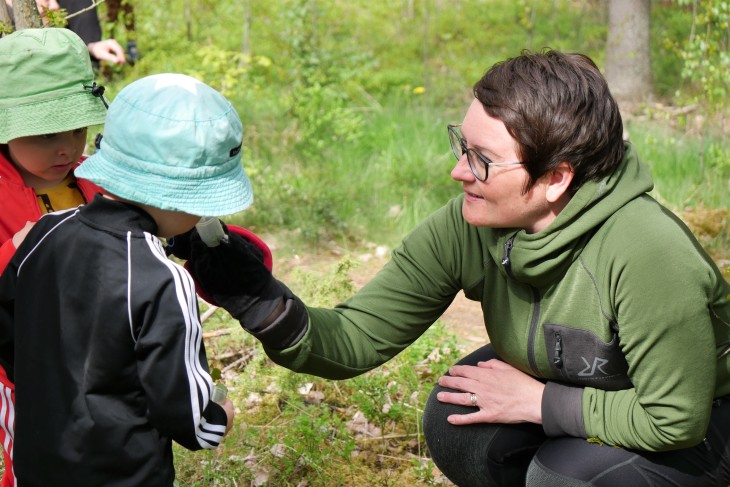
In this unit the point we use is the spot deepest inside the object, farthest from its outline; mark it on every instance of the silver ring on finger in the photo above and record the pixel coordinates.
(473, 399)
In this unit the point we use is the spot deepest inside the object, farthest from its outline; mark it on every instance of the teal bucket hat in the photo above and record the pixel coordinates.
(174, 143)
(47, 84)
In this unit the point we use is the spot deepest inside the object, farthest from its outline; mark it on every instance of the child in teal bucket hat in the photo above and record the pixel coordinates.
(48, 98)
(174, 143)
(112, 367)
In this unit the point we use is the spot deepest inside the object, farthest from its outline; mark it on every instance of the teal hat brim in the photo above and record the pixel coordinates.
(226, 194)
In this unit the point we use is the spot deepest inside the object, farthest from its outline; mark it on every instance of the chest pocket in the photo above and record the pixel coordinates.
(581, 358)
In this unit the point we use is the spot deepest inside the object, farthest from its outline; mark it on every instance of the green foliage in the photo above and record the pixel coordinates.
(679, 183)
(706, 52)
(6, 28)
(669, 27)
(230, 71)
(320, 77)
(56, 18)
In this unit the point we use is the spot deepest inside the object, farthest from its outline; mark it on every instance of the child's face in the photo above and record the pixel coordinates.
(44, 161)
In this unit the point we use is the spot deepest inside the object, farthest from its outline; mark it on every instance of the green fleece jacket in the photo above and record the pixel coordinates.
(615, 305)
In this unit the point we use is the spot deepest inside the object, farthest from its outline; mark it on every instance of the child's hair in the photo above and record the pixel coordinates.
(174, 143)
(47, 84)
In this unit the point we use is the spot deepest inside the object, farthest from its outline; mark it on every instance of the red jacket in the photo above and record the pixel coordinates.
(18, 204)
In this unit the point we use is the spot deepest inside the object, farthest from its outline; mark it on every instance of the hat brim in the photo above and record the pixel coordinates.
(70, 112)
(225, 194)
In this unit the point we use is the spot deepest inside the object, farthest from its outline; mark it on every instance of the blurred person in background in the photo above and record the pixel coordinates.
(86, 26)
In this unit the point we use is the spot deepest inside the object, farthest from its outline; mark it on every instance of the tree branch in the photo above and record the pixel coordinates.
(94, 4)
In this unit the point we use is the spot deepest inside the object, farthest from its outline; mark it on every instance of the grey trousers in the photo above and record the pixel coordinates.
(512, 455)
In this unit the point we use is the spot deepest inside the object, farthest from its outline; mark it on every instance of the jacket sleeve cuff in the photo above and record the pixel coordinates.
(562, 410)
(287, 328)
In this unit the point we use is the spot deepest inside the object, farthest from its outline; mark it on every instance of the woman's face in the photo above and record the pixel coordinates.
(44, 161)
(499, 201)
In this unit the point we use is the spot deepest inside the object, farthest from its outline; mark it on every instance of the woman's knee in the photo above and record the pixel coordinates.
(478, 454)
(436, 428)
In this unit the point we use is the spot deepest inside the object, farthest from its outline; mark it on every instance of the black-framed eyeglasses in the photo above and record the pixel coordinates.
(478, 163)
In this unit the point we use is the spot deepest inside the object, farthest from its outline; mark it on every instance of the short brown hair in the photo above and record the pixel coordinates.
(558, 108)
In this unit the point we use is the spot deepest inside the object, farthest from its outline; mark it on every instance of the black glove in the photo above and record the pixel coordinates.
(235, 268)
(234, 275)
(179, 245)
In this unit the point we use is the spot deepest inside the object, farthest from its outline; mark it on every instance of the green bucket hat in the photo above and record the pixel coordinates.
(174, 143)
(47, 84)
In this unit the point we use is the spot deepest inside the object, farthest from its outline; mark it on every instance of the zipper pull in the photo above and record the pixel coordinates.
(507, 249)
(558, 359)
(505, 257)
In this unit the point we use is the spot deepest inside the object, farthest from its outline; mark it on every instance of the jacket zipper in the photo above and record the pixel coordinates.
(536, 310)
(533, 330)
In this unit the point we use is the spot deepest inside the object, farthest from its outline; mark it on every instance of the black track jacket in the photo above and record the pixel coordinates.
(101, 334)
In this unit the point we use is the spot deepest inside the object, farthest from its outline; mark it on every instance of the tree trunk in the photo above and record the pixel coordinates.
(26, 14)
(628, 62)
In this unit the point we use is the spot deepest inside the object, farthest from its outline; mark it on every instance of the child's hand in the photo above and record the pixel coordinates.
(227, 405)
(20, 236)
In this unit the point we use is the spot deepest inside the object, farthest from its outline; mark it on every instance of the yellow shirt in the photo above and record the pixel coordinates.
(60, 197)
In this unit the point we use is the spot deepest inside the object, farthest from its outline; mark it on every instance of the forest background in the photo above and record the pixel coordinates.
(345, 105)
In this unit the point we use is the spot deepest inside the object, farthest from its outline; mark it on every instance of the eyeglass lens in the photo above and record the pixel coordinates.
(458, 147)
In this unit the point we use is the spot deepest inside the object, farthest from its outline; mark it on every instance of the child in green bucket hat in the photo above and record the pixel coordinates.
(112, 368)
(48, 98)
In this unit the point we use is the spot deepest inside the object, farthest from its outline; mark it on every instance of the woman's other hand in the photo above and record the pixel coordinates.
(502, 393)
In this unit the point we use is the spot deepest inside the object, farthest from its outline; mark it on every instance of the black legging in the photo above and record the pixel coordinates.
(520, 454)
